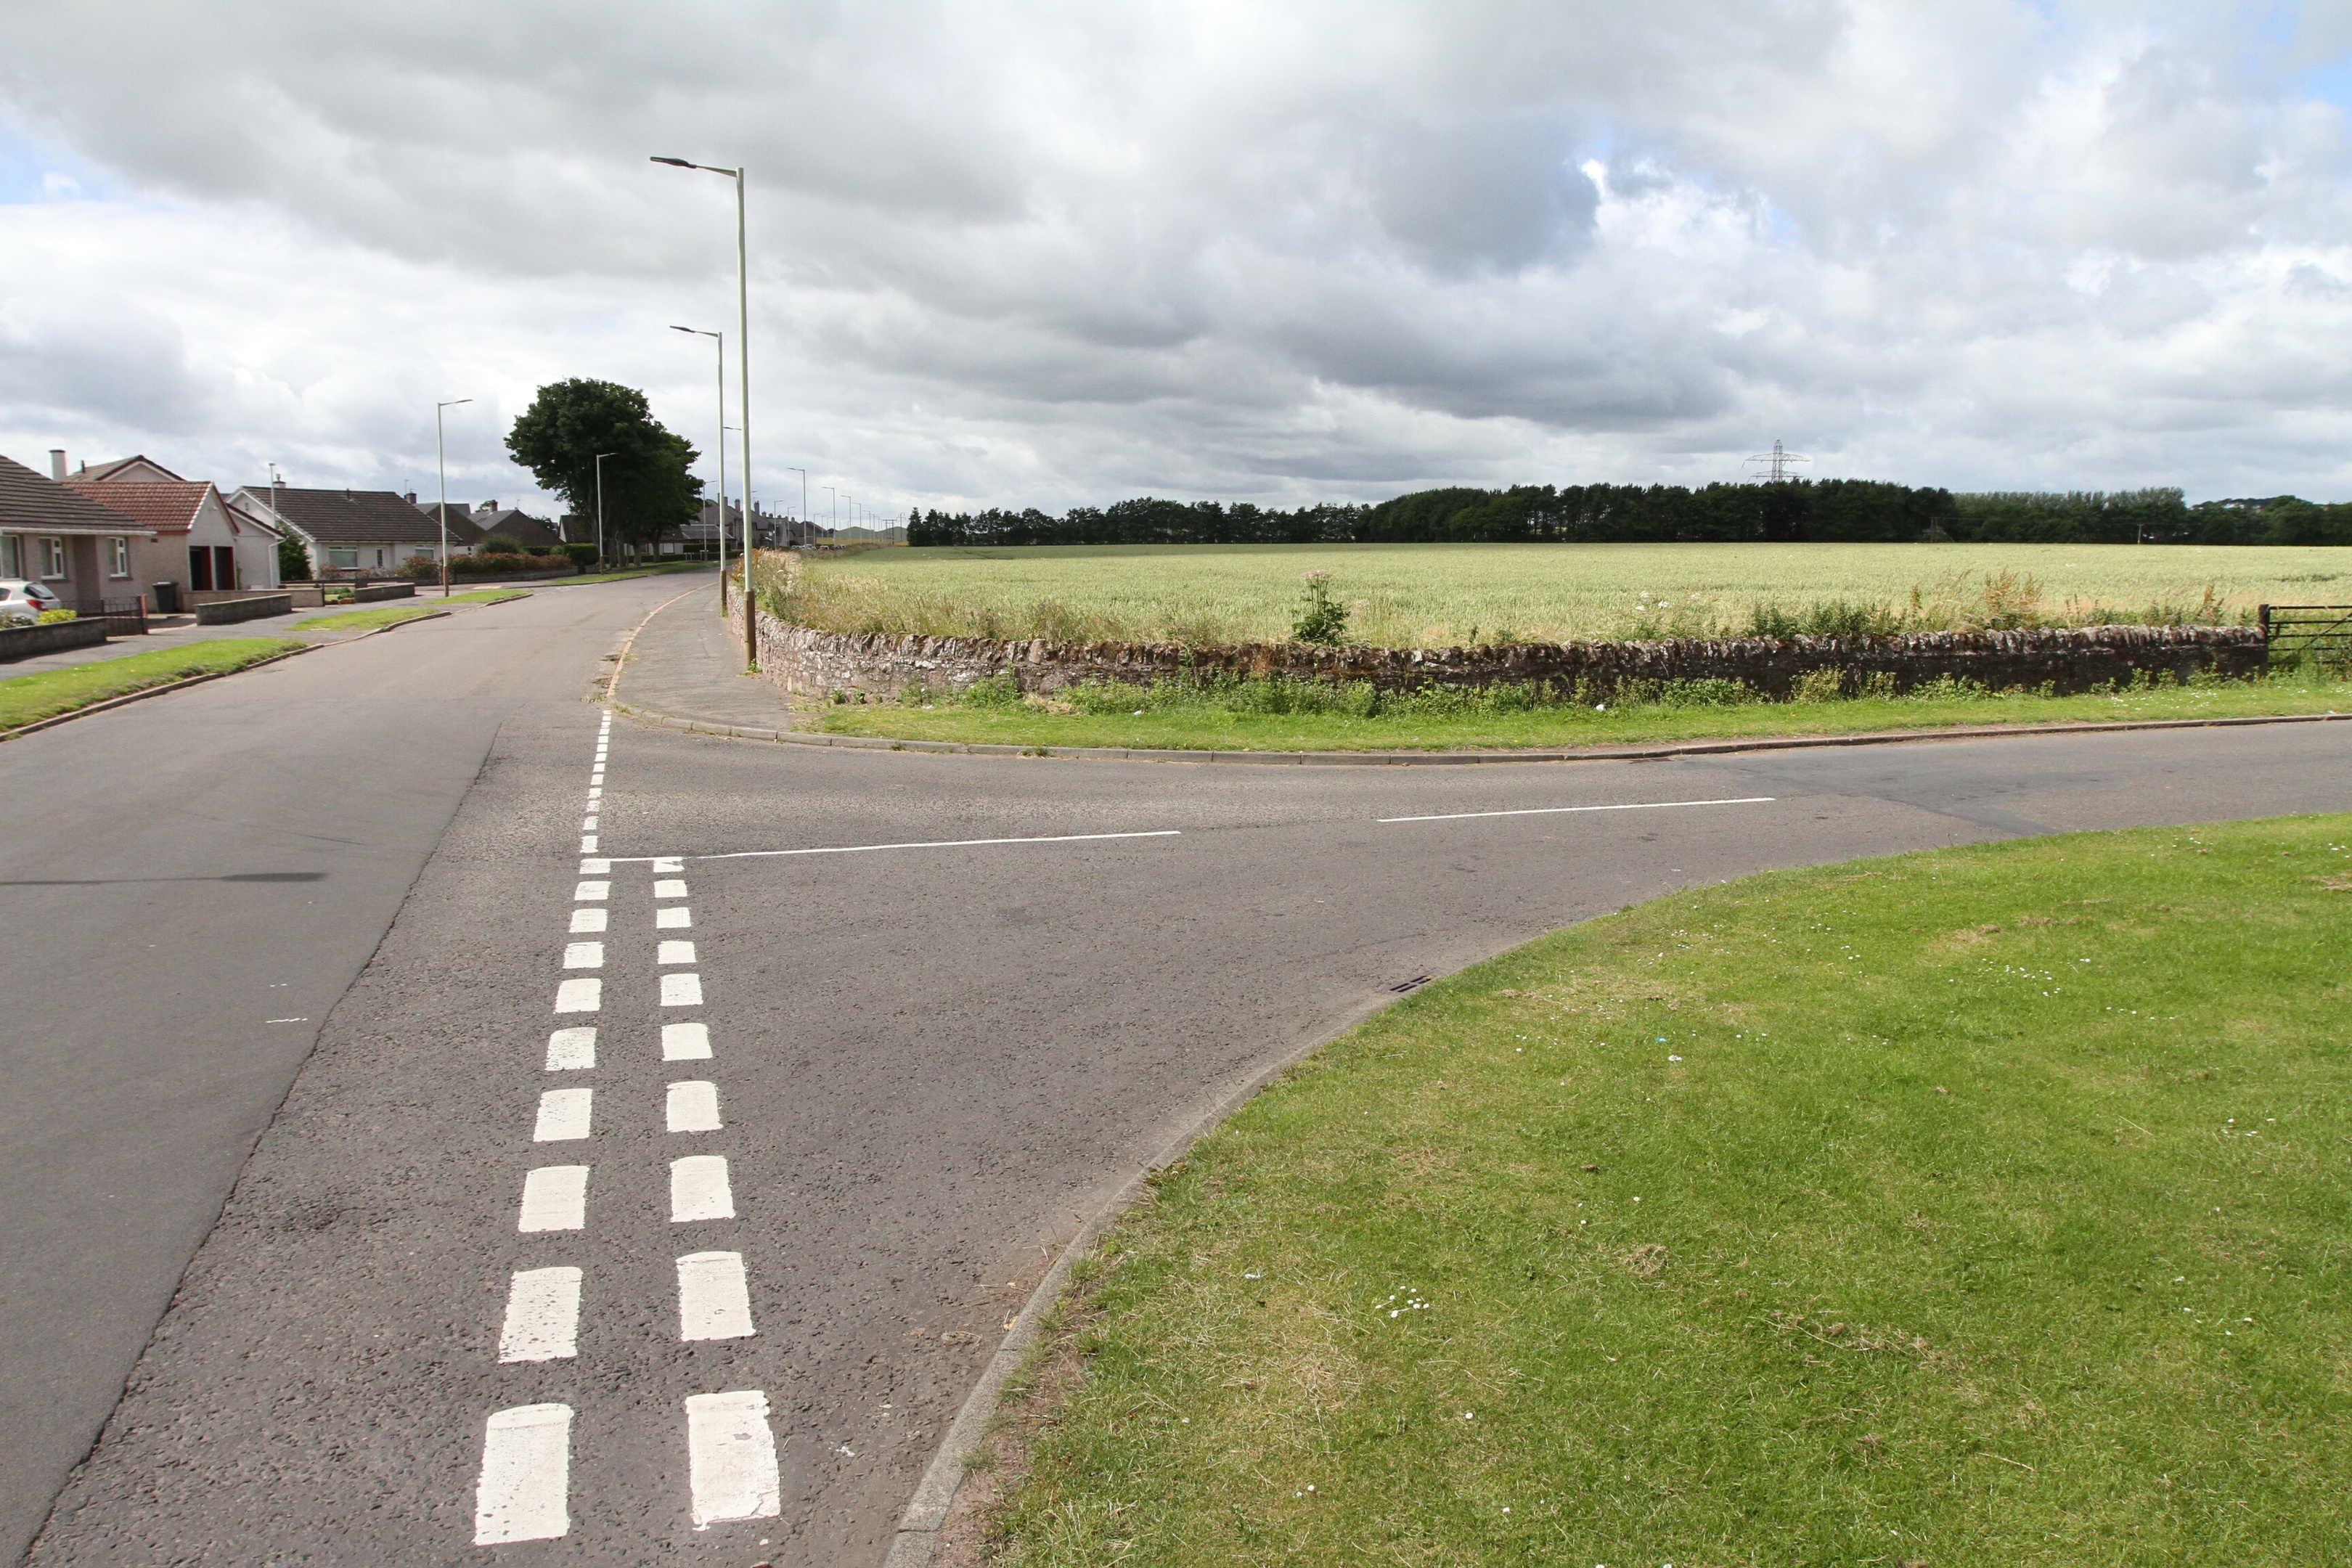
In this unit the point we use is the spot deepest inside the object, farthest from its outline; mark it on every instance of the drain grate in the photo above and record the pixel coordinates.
(1415, 984)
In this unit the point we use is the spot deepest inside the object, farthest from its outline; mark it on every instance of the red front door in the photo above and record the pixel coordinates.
(224, 567)
(200, 568)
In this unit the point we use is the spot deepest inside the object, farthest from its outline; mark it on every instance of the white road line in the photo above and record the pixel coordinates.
(681, 991)
(669, 888)
(589, 919)
(698, 1189)
(571, 1050)
(524, 1492)
(590, 892)
(672, 864)
(731, 1458)
(686, 1042)
(578, 996)
(542, 1316)
(563, 1115)
(595, 868)
(583, 955)
(694, 1107)
(587, 844)
(713, 1300)
(942, 844)
(554, 1197)
(674, 953)
(595, 794)
(679, 918)
(1563, 810)
(587, 825)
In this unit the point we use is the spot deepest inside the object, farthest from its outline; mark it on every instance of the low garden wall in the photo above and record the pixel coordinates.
(252, 607)
(817, 664)
(23, 642)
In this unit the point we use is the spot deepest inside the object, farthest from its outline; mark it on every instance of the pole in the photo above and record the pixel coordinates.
(743, 390)
(441, 459)
(600, 501)
(803, 474)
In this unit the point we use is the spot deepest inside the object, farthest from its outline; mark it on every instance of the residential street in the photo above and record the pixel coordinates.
(310, 969)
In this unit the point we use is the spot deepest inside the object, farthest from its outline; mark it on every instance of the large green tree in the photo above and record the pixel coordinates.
(648, 488)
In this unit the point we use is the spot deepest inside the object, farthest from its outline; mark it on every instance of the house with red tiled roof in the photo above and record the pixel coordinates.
(193, 537)
(49, 533)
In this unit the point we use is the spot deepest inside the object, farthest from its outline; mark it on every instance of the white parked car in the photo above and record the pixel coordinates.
(24, 603)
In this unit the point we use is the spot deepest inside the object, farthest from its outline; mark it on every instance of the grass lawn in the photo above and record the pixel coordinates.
(407, 610)
(44, 694)
(1204, 727)
(1983, 1206)
(1434, 596)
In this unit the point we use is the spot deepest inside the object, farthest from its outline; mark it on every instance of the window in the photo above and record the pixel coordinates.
(379, 557)
(423, 551)
(348, 559)
(12, 556)
(53, 559)
(118, 557)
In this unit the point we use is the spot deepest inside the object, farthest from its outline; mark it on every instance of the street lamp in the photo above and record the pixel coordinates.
(441, 456)
(600, 501)
(803, 474)
(833, 527)
(743, 381)
(721, 339)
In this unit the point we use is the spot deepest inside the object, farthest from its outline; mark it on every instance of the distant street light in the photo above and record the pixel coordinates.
(600, 501)
(803, 474)
(721, 339)
(834, 526)
(441, 457)
(743, 380)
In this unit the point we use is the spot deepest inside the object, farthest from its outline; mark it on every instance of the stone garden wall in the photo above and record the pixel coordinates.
(817, 664)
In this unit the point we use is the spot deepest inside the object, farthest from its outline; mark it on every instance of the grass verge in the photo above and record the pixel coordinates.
(44, 694)
(1207, 726)
(638, 571)
(413, 610)
(1969, 1206)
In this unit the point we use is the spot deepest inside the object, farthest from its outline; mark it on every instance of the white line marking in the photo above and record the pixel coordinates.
(698, 1189)
(589, 919)
(731, 1458)
(589, 892)
(1561, 810)
(524, 1492)
(679, 918)
(554, 1197)
(694, 1107)
(671, 863)
(669, 888)
(681, 991)
(943, 844)
(568, 1050)
(686, 1042)
(714, 1302)
(583, 955)
(286, 1020)
(674, 953)
(595, 868)
(580, 996)
(587, 825)
(542, 1316)
(587, 844)
(563, 1115)
(595, 794)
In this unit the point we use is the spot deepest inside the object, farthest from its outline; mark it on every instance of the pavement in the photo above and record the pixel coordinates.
(685, 664)
(949, 1005)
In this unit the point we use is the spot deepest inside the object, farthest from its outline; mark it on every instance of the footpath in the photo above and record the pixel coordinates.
(684, 669)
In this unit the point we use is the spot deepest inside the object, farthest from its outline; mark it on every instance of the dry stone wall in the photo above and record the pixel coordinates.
(818, 664)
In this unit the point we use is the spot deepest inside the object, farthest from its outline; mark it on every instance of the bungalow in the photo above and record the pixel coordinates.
(54, 535)
(350, 532)
(193, 537)
(480, 522)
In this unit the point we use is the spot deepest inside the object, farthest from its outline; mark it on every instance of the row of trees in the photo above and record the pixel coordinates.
(1825, 511)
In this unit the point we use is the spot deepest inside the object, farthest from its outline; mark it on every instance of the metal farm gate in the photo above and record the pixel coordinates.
(2293, 634)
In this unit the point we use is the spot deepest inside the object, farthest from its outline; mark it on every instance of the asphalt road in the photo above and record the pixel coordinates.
(926, 1065)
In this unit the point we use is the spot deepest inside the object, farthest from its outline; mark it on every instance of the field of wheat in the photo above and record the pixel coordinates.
(1437, 595)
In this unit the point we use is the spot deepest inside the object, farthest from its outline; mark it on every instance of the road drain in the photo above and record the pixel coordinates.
(1415, 984)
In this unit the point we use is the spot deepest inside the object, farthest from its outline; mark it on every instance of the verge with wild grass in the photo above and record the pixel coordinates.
(1969, 1206)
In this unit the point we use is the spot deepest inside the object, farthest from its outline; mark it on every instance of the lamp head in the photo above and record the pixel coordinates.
(674, 163)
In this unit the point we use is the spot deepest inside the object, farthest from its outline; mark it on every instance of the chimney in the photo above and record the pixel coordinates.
(410, 498)
(488, 506)
(58, 464)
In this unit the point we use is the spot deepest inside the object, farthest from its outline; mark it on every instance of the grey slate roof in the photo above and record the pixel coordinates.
(479, 522)
(352, 517)
(32, 502)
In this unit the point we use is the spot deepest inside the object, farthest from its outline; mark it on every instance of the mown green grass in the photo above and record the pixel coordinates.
(410, 610)
(1434, 596)
(44, 694)
(1983, 1206)
(1208, 726)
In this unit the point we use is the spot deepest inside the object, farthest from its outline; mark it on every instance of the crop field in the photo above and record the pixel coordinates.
(1437, 595)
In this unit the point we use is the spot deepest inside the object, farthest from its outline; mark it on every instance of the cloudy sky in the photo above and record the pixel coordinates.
(1043, 254)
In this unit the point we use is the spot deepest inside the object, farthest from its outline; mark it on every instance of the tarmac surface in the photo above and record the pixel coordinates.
(289, 949)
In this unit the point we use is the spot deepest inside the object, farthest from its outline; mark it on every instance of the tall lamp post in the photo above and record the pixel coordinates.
(600, 501)
(833, 527)
(743, 387)
(441, 457)
(803, 474)
(721, 339)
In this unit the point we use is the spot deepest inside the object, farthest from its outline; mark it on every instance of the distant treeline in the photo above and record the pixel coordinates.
(1825, 510)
